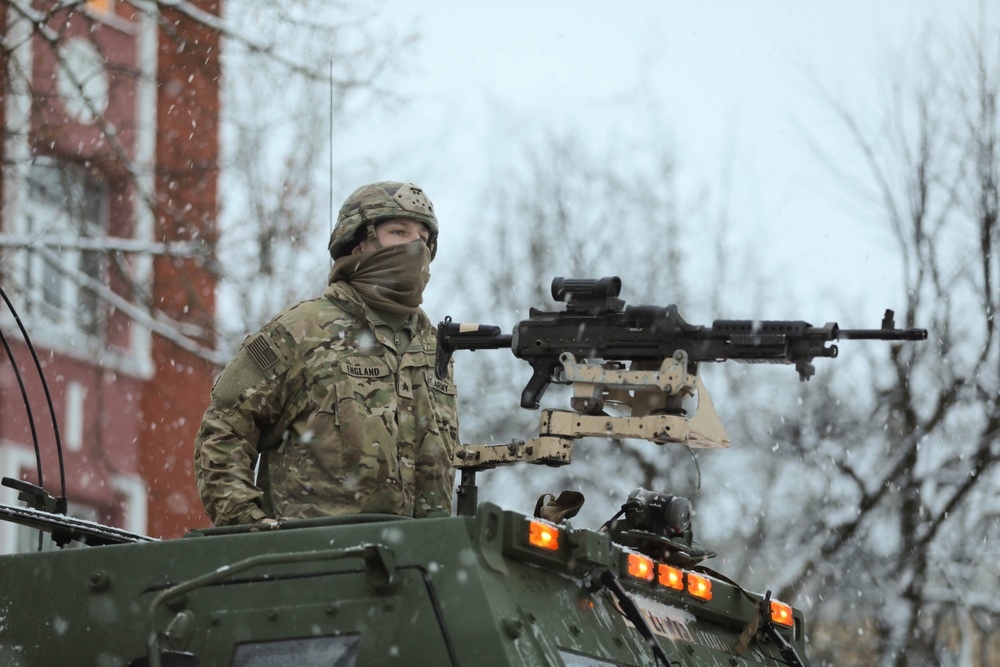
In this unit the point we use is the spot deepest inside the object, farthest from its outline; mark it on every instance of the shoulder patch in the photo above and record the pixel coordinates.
(261, 352)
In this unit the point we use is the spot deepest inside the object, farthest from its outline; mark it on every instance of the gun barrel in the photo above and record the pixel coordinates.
(882, 334)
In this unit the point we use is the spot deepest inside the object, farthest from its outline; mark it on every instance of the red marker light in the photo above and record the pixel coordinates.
(781, 614)
(670, 577)
(699, 586)
(640, 567)
(543, 536)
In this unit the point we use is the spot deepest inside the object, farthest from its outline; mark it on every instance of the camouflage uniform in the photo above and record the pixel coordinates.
(342, 421)
(345, 424)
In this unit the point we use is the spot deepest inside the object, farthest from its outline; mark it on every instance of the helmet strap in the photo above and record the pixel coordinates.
(372, 236)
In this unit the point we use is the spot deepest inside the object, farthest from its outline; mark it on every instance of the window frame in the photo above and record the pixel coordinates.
(68, 203)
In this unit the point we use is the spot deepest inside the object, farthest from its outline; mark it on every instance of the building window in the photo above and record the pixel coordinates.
(61, 271)
(75, 397)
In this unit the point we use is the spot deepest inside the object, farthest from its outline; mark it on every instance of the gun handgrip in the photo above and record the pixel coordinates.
(441, 361)
(541, 376)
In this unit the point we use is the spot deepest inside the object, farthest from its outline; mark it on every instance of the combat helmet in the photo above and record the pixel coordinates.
(379, 201)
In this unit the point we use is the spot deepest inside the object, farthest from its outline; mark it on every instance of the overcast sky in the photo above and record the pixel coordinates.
(724, 82)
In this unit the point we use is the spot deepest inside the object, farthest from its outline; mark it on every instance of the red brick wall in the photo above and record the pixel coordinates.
(187, 150)
(109, 423)
(134, 426)
(3, 106)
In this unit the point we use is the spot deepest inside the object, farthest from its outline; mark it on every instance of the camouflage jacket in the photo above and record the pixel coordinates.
(341, 422)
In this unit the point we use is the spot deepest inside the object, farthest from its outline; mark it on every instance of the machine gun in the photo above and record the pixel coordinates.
(596, 324)
(587, 344)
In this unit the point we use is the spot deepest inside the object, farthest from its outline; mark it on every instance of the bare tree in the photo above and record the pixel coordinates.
(331, 65)
(871, 498)
(576, 210)
(902, 519)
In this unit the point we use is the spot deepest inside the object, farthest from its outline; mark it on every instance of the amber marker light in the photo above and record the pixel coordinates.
(543, 536)
(699, 586)
(781, 614)
(670, 577)
(640, 567)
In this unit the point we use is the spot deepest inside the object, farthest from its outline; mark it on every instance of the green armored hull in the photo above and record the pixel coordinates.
(497, 588)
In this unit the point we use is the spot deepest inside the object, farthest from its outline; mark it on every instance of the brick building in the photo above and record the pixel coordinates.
(109, 200)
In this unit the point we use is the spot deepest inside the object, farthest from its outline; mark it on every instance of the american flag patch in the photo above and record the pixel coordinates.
(262, 353)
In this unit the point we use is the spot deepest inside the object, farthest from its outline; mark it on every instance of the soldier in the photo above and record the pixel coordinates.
(335, 398)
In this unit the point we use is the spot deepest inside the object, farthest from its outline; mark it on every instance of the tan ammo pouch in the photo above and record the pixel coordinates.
(557, 510)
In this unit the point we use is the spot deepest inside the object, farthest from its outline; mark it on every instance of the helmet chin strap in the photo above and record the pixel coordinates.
(372, 236)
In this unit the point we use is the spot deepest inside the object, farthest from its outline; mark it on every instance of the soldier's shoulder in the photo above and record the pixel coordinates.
(313, 318)
(423, 324)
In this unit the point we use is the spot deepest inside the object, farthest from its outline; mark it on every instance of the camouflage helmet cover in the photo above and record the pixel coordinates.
(380, 201)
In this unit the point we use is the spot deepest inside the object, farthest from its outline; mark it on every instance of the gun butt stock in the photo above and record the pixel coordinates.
(453, 336)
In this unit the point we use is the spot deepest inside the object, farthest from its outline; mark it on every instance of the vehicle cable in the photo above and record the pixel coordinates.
(61, 503)
(634, 614)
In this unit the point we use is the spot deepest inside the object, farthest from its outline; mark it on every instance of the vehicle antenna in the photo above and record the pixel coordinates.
(61, 504)
(27, 405)
(331, 150)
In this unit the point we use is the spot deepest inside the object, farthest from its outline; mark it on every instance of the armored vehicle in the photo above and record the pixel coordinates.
(485, 587)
